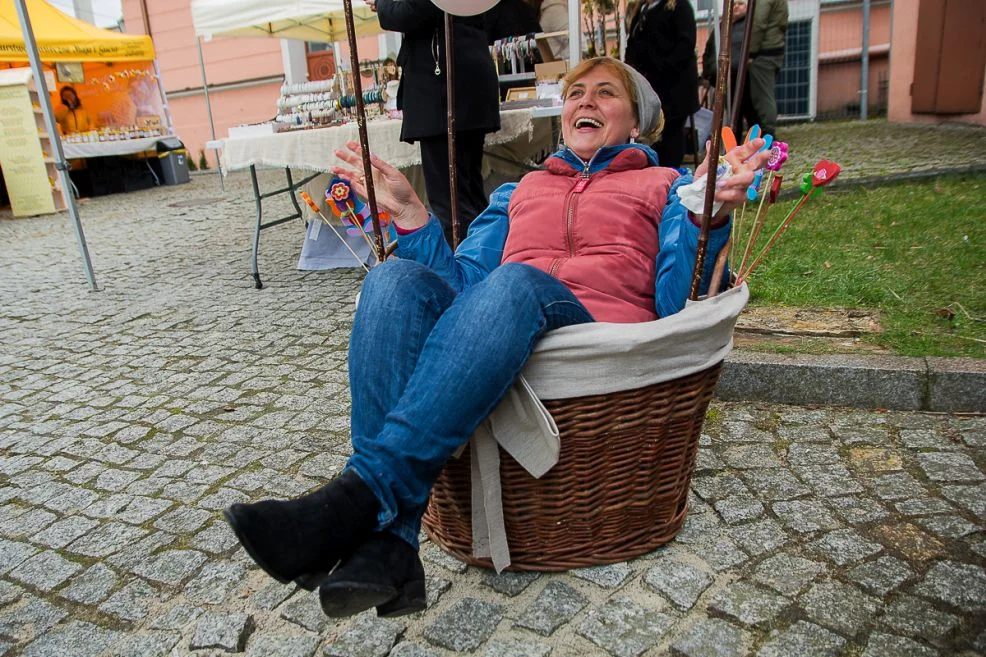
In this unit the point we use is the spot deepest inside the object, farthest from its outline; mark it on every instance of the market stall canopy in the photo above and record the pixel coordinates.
(306, 20)
(62, 38)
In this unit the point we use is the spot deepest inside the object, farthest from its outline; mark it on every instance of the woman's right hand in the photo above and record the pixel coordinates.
(394, 193)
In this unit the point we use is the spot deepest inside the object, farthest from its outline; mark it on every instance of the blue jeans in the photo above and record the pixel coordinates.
(427, 365)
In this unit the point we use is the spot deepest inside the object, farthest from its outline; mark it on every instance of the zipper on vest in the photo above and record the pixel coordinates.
(572, 199)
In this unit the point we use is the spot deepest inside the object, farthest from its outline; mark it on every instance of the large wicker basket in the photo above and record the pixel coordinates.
(619, 489)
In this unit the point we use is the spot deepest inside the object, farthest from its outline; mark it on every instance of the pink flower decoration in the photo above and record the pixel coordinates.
(339, 191)
(778, 156)
(825, 172)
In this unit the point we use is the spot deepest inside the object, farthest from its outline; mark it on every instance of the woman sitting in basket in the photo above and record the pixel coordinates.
(438, 337)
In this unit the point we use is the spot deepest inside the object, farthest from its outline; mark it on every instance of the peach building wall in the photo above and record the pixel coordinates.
(905, 26)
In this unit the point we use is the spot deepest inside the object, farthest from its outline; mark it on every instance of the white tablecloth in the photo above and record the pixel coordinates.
(313, 149)
(106, 148)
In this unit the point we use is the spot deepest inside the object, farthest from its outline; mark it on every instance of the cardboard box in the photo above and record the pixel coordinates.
(551, 71)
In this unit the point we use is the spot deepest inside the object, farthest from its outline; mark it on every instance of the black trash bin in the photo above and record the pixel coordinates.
(173, 160)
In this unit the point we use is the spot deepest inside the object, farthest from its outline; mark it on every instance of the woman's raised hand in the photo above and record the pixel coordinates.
(745, 161)
(394, 193)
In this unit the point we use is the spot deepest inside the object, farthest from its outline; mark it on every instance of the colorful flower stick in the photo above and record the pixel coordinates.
(823, 173)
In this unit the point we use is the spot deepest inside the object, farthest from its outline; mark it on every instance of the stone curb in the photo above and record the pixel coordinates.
(947, 385)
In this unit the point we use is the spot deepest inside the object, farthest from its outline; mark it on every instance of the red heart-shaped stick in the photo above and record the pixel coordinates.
(824, 173)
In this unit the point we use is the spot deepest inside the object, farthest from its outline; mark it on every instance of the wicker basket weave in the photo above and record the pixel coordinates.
(619, 489)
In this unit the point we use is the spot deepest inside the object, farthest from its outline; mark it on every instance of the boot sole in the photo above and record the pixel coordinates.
(343, 599)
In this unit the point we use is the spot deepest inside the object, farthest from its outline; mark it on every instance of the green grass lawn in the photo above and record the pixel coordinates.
(914, 251)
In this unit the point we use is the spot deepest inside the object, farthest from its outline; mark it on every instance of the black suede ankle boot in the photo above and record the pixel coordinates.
(384, 572)
(301, 540)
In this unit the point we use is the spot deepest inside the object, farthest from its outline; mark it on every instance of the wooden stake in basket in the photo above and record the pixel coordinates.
(453, 176)
(364, 141)
(713, 156)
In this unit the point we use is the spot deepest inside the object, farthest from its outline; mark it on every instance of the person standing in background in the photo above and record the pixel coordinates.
(422, 98)
(661, 45)
(766, 59)
(758, 106)
(71, 115)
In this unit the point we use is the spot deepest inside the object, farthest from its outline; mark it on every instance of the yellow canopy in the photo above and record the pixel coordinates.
(308, 20)
(62, 38)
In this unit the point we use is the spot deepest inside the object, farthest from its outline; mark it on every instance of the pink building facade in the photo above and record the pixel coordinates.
(244, 74)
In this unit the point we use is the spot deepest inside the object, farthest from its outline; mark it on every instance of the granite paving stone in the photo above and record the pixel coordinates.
(466, 625)
(555, 605)
(215, 583)
(45, 570)
(305, 611)
(858, 510)
(171, 566)
(788, 574)
(972, 498)
(509, 583)
(944, 466)
(368, 636)
(845, 546)
(882, 575)
(804, 516)
(272, 595)
(149, 644)
(106, 539)
(748, 604)
(623, 628)
(679, 582)
(840, 607)
(226, 631)
(898, 646)
(13, 553)
(30, 617)
(91, 586)
(408, 649)
(759, 537)
(610, 576)
(75, 638)
(739, 509)
(130, 602)
(515, 649)
(712, 637)
(949, 526)
(958, 584)
(282, 645)
(802, 638)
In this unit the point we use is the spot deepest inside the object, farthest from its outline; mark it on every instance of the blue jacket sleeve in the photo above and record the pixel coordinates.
(478, 254)
(678, 237)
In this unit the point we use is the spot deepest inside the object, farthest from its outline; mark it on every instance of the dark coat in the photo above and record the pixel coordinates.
(661, 45)
(421, 94)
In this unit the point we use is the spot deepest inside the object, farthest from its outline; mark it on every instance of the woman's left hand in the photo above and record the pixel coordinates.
(745, 161)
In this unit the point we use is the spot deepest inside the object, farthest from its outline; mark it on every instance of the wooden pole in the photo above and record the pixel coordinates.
(713, 156)
(741, 70)
(364, 141)
(453, 177)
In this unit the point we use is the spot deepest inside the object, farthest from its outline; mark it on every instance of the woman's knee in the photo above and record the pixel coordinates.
(397, 283)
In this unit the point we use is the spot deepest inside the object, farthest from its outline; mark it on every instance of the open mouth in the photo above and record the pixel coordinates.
(586, 122)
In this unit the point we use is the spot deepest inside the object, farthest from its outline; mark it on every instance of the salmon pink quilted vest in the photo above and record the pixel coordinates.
(598, 234)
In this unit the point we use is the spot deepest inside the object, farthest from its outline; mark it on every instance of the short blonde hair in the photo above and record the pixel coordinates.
(619, 69)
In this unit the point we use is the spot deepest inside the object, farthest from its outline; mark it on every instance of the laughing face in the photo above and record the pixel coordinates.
(598, 112)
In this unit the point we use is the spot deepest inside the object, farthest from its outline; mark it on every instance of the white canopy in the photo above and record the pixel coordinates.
(306, 20)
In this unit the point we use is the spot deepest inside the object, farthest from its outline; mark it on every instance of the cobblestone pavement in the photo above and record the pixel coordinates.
(130, 417)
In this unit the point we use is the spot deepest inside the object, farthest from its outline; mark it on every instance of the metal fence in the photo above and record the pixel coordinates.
(835, 50)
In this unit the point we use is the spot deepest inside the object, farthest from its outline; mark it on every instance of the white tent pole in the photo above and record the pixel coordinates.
(205, 88)
(56, 141)
(164, 98)
(574, 34)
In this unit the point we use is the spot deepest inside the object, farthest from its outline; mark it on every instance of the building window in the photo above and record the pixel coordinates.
(794, 84)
